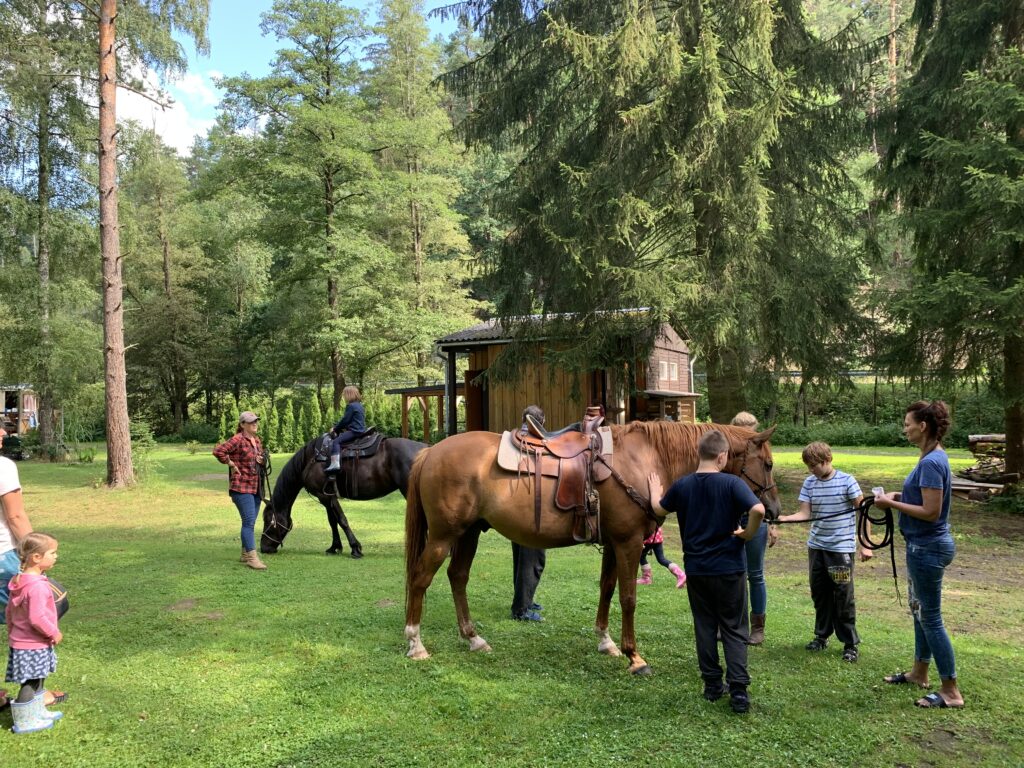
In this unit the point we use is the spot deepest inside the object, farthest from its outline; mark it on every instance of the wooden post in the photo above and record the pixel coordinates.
(450, 390)
(425, 405)
(405, 416)
(440, 410)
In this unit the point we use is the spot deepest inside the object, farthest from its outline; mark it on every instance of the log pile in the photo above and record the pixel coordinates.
(988, 475)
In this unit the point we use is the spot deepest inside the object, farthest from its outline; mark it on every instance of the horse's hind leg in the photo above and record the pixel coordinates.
(458, 576)
(434, 553)
(608, 579)
(336, 517)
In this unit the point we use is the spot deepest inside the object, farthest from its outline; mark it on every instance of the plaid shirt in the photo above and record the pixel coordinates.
(239, 449)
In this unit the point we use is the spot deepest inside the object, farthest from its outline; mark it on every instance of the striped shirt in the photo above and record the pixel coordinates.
(828, 497)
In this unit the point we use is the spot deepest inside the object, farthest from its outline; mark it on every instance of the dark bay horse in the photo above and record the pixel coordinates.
(366, 478)
(456, 491)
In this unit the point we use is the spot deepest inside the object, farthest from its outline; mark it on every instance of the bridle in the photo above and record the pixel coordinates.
(265, 472)
(760, 488)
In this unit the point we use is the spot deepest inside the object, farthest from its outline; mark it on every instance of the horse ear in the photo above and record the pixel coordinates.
(763, 437)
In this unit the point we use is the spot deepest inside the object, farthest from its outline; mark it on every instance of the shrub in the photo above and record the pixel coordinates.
(192, 446)
(143, 444)
(199, 431)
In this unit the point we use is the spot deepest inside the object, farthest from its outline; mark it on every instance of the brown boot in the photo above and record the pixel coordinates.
(242, 558)
(253, 561)
(756, 629)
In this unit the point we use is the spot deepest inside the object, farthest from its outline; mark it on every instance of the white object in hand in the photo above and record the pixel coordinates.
(878, 490)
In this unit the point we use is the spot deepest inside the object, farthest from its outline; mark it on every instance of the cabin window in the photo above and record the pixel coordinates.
(674, 371)
(663, 370)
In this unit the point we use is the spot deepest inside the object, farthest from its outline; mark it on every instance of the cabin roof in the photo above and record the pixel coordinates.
(493, 332)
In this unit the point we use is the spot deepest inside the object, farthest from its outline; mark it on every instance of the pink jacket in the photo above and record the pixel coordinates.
(31, 613)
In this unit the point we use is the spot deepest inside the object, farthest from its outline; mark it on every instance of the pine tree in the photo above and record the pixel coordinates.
(231, 419)
(646, 134)
(270, 429)
(286, 427)
(417, 165)
(955, 164)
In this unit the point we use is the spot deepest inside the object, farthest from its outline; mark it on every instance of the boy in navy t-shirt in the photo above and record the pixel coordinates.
(710, 507)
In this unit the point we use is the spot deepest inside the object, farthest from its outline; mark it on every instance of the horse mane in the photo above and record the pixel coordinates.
(675, 442)
(289, 481)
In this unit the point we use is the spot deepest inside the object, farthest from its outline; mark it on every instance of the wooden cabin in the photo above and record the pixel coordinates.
(20, 409)
(663, 388)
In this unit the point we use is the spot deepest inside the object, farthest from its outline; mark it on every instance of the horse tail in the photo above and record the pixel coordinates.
(415, 522)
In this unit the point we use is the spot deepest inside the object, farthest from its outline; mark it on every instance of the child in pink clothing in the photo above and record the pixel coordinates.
(32, 633)
(653, 543)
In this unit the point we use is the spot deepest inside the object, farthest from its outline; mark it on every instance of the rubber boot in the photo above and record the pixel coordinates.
(53, 714)
(679, 573)
(27, 717)
(335, 464)
(645, 575)
(252, 560)
(756, 629)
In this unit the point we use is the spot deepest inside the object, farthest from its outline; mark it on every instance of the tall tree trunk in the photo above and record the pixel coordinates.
(337, 369)
(416, 226)
(119, 441)
(725, 383)
(1013, 342)
(43, 383)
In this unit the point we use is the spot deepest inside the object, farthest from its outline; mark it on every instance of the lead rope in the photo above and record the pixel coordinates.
(864, 523)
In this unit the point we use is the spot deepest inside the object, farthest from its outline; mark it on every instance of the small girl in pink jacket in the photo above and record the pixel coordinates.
(32, 633)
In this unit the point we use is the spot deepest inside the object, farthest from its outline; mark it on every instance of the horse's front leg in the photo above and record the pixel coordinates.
(627, 558)
(607, 588)
(458, 575)
(340, 519)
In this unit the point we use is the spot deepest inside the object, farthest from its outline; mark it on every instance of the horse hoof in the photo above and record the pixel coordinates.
(609, 649)
(419, 655)
(643, 670)
(477, 643)
(332, 551)
(356, 554)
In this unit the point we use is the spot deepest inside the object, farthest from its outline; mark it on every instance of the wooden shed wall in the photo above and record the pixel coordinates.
(534, 386)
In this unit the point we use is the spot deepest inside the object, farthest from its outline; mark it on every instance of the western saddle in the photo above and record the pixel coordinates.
(569, 455)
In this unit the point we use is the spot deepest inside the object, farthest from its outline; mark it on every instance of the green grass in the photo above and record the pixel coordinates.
(177, 655)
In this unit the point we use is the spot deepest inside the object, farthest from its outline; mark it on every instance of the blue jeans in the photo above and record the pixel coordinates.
(248, 508)
(756, 548)
(9, 566)
(926, 563)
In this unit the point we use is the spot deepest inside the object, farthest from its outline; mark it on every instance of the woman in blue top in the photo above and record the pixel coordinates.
(351, 425)
(924, 522)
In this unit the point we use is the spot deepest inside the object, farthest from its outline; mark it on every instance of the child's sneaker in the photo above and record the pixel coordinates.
(817, 644)
(739, 700)
(850, 653)
(713, 690)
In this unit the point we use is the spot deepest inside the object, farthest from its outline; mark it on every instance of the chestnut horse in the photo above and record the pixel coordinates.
(457, 491)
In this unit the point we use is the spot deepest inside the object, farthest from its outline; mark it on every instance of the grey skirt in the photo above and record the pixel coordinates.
(30, 664)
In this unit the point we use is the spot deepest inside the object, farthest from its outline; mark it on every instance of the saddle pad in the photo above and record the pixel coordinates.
(509, 456)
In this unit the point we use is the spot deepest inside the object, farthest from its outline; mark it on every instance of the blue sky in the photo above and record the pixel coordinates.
(236, 46)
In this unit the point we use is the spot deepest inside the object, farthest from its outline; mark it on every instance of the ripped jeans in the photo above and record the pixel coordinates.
(926, 564)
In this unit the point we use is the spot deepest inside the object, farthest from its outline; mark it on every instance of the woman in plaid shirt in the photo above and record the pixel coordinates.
(243, 454)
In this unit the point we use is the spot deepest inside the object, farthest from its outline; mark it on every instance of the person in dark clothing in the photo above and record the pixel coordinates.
(351, 425)
(710, 506)
(527, 563)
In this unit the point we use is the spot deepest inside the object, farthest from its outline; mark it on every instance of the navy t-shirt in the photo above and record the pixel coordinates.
(353, 419)
(709, 506)
(932, 471)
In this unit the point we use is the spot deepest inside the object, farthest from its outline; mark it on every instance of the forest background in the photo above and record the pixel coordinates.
(809, 189)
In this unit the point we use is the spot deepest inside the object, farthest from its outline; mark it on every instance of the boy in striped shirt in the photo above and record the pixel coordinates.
(829, 499)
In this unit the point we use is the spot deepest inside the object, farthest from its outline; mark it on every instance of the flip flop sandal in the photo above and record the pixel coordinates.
(934, 701)
(4, 701)
(900, 678)
(59, 697)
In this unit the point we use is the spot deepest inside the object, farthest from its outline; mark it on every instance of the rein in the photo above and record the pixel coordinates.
(864, 523)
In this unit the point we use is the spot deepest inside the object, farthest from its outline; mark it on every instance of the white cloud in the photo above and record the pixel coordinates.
(191, 114)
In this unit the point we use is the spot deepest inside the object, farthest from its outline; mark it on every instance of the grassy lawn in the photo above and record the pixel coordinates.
(175, 654)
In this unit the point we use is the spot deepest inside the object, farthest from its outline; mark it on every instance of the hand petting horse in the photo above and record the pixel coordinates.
(456, 491)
